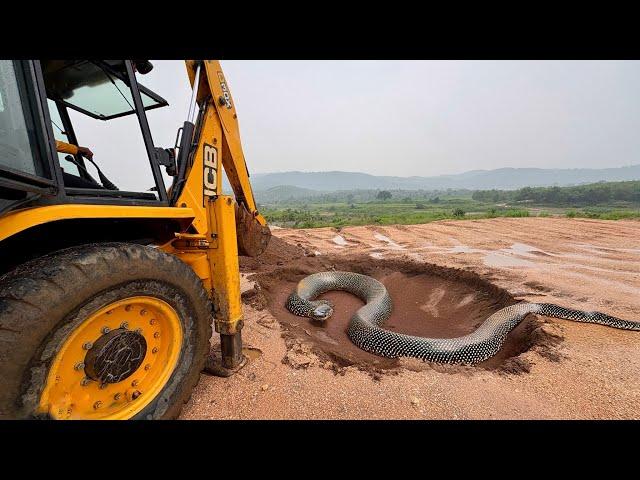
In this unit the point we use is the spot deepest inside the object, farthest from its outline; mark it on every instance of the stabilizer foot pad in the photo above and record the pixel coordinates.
(213, 365)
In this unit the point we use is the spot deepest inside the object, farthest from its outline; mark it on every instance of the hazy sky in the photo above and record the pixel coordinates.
(405, 117)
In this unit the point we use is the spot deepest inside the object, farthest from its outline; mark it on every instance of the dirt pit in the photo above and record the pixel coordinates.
(428, 300)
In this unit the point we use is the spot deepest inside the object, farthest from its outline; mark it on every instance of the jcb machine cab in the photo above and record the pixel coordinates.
(108, 296)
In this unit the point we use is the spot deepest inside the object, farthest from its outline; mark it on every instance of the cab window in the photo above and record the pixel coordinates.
(60, 134)
(18, 142)
(96, 101)
(97, 89)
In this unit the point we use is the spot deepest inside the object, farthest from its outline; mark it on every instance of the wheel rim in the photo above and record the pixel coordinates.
(114, 363)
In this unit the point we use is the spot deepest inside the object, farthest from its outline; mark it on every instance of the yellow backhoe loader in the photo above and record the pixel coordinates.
(108, 297)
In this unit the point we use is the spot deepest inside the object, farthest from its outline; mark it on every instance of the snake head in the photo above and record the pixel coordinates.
(323, 309)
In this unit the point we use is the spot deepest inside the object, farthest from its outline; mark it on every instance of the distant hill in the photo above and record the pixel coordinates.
(284, 193)
(502, 179)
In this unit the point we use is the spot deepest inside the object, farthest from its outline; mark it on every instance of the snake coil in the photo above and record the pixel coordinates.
(366, 326)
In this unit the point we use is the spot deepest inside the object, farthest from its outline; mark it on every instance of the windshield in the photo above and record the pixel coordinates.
(97, 89)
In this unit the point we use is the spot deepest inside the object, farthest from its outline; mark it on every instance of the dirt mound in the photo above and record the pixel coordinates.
(429, 301)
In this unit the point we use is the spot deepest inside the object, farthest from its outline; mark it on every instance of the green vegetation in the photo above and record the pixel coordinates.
(582, 195)
(384, 195)
(607, 201)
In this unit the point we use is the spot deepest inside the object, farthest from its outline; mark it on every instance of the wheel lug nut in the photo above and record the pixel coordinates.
(87, 345)
(143, 312)
(156, 335)
(147, 366)
(117, 396)
(124, 325)
(97, 405)
(134, 383)
(135, 394)
(152, 321)
(105, 330)
(155, 350)
(127, 308)
(79, 366)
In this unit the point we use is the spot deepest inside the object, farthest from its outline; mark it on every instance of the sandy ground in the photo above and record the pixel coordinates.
(579, 263)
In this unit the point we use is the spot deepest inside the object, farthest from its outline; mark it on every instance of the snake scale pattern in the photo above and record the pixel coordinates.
(366, 326)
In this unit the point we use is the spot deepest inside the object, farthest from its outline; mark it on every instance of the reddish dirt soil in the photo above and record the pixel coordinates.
(445, 278)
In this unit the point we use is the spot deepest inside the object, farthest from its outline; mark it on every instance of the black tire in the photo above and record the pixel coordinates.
(42, 300)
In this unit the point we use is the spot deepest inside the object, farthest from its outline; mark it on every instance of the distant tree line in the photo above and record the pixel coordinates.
(361, 196)
(581, 195)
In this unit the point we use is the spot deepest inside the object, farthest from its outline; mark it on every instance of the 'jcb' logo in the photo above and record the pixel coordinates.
(226, 96)
(210, 177)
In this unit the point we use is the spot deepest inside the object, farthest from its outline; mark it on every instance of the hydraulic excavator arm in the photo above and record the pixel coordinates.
(218, 142)
(224, 226)
(253, 233)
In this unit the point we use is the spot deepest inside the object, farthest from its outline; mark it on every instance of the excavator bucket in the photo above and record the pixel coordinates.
(253, 238)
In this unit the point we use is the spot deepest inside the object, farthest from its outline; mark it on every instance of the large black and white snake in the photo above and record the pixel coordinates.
(365, 327)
